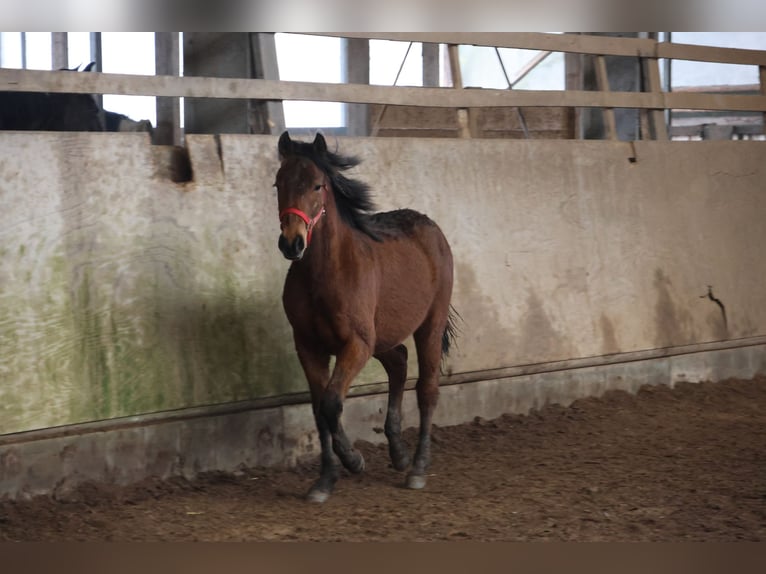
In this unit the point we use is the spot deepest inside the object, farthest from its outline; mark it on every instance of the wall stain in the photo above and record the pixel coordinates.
(610, 345)
(717, 326)
(496, 342)
(673, 325)
(525, 335)
(541, 341)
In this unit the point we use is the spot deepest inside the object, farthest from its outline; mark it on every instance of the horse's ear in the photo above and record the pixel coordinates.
(285, 145)
(320, 146)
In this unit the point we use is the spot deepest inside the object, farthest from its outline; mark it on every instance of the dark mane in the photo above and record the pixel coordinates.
(353, 198)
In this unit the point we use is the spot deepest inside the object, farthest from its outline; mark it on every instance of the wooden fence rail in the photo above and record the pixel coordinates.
(201, 87)
(649, 51)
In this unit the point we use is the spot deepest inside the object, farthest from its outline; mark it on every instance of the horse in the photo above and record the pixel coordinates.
(40, 111)
(49, 112)
(116, 122)
(358, 285)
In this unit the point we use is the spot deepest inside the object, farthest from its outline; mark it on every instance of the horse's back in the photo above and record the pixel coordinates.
(399, 222)
(408, 225)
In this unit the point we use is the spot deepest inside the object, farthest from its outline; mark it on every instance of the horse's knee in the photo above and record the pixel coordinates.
(330, 407)
(427, 392)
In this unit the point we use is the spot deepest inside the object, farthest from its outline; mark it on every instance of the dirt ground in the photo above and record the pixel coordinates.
(681, 464)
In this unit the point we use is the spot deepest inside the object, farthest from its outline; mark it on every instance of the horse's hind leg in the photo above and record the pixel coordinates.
(395, 363)
(428, 340)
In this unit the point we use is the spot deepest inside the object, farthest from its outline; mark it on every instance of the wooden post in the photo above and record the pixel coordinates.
(762, 77)
(603, 84)
(59, 50)
(95, 51)
(216, 55)
(95, 56)
(430, 65)
(266, 116)
(463, 114)
(659, 130)
(573, 65)
(167, 63)
(356, 53)
(24, 50)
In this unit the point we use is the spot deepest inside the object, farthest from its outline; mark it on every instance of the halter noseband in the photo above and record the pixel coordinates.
(309, 221)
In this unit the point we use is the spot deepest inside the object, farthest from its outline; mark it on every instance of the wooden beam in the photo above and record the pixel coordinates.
(96, 51)
(576, 43)
(762, 77)
(531, 65)
(167, 63)
(430, 57)
(264, 55)
(463, 113)
(602, 79)
(96, 55)
(239, 88)
(659, 130)
(357, 58)
(573, 65)
(674, 51)
(524, 40)
(59, 50)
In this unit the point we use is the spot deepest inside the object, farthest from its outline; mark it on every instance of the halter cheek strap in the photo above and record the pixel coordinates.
(309, 221)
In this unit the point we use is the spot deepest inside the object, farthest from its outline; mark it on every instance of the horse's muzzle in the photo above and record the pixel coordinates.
(292, 251)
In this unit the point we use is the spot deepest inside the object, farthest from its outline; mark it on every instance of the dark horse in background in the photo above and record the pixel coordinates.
(41, 111)
(359, 284)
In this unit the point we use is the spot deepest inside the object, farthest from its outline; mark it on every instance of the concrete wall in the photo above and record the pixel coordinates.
(123, 293)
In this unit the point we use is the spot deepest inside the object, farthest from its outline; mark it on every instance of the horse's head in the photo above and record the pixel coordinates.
(301, 192)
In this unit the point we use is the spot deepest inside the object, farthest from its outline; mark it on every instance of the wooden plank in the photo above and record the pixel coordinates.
(675, 51)
(581, 43)
(238, 88)
(59, 50)
(463, 117)
(356, 54)
(489, 119)
(531, 65)
(658, 127)
(602, 79)
(762, 77)
(573, 66)
(430, 55)
(264, 65)
(418, 133)
(166, 62)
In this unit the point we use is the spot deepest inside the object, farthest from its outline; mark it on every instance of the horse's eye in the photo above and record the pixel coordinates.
(317, 187)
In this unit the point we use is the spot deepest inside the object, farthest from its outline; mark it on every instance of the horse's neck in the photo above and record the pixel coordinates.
(331, 244)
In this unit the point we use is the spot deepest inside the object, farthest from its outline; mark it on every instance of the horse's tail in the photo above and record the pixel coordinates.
(450, 331)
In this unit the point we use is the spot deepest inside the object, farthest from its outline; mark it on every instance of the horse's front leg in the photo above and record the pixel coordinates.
(316, 366)
(348, 363)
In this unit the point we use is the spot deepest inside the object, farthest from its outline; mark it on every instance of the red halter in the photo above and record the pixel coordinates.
(309, 221)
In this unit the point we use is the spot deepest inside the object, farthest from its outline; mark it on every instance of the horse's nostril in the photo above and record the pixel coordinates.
(292, 250)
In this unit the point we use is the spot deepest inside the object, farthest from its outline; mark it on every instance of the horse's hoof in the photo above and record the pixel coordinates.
(416, 481)
(400, 458)
(317, 495)
(357, 466)
(401, 463)
(354, 464)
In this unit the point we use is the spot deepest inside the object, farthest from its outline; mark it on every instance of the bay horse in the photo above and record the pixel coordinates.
(359, 284)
